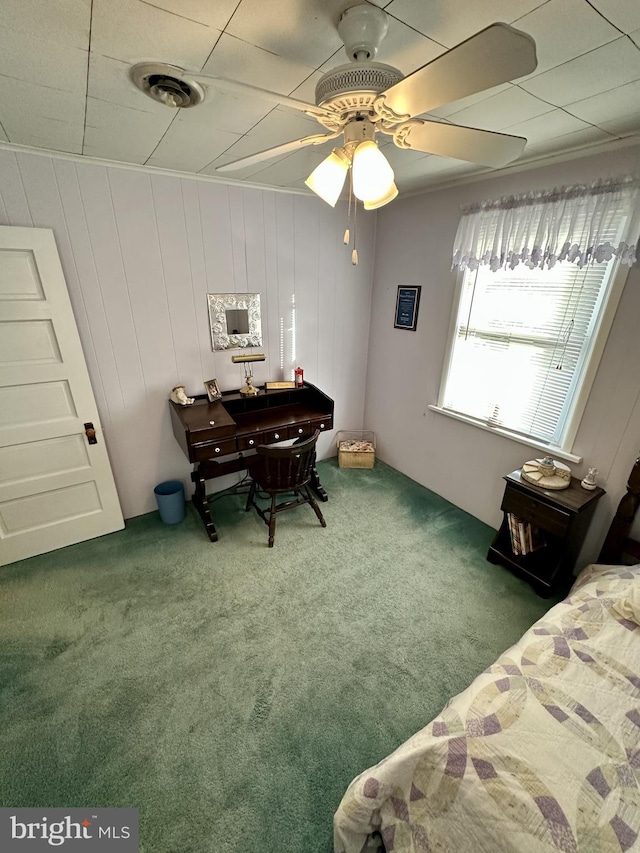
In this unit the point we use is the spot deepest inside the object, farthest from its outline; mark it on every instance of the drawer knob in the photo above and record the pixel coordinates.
(251, 441)
(217, 450)
(277, 435)
(321, 426)
(300, 431)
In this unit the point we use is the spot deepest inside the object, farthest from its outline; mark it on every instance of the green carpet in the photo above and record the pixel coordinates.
(230, 691)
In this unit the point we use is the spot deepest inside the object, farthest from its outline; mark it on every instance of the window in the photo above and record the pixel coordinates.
(524, 346)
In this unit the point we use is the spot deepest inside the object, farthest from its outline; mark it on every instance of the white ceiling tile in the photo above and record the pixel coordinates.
(624, 125)
(109, 81)
(547, 126)
(42, 61)
(19, 98)
(188, 149)
(3, 135)
(306, 91)
(303, 31)
(624, 14)
(42, 132)
(635, 36)
(506, 108)
(225, 112)
(569, 141)
(134, 31)
(604, 68)
(449, 22)
(406, 49)
(608, 105)
(64, 21)
(131, 134)
(564, 29)
(234, 59)
(216, 14)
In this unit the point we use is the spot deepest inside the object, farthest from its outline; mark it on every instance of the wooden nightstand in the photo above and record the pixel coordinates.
(560, 518)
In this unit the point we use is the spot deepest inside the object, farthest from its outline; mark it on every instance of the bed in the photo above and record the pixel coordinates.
(542, 751)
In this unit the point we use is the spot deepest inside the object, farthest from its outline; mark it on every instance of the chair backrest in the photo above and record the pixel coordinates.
(286, 468)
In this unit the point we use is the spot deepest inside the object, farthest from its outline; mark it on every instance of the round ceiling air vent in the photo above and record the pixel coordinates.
(167, 85)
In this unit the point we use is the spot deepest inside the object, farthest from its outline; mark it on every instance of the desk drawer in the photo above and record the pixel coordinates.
(214, 449)
(323, 424)
(250, 442)
(536, 512)
(273, 435)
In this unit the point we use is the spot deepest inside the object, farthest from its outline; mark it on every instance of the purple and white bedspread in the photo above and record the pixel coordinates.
(540, 753)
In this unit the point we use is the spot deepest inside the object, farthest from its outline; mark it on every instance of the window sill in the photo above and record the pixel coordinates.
(556, 452)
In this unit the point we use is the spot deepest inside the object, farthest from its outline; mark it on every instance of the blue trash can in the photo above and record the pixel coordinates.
(170, 500)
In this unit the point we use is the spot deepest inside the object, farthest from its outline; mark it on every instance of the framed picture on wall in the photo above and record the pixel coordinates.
(407, 303)
(213, 390)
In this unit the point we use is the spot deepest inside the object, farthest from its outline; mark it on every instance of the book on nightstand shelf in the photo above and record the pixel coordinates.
(525, 537)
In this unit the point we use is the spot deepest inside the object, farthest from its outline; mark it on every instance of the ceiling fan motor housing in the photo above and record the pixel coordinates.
(361, 29)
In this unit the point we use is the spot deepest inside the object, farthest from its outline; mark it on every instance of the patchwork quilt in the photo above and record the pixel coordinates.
(540, 753)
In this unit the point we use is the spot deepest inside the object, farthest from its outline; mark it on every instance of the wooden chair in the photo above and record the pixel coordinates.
(283, 470)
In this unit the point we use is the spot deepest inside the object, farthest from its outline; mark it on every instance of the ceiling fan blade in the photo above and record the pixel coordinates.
(462, 143)
(495, 55)
(268, 153)
(235, 87)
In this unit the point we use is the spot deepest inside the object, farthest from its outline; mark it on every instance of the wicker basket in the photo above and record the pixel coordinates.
(356, 448)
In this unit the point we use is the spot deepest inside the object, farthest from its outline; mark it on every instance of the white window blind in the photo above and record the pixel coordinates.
(521, 345)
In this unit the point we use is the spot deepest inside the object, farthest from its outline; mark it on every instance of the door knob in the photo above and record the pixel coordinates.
(90, 432)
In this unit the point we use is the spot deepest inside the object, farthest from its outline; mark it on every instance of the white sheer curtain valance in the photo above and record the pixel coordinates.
(579, 224)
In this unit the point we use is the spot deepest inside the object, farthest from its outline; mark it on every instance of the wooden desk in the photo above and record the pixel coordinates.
(219, 437)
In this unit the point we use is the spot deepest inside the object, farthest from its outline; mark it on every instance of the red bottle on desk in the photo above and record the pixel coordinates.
(299, 377)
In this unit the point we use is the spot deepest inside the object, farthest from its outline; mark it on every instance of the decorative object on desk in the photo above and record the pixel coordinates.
(178, 396)
(235, 320)
(589, 481)
(547, 473)
(213, 390)
(272, 386)
(299, 375)
(248, 389)
(241, 359)
(407, 302)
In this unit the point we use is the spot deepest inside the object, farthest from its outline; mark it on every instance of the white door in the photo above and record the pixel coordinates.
(56, 488)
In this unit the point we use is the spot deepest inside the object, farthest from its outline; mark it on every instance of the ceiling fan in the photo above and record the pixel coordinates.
(364, 98)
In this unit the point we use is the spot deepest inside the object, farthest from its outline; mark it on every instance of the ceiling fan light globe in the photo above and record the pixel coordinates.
(327, 179)
(385, 199)
(372, 174)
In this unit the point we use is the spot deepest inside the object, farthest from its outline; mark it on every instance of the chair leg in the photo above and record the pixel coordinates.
(250, 496)
(315, 507)
(272, 521)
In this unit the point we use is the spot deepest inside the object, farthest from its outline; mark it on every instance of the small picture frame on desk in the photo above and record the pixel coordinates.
(407, 303)
(213, 390)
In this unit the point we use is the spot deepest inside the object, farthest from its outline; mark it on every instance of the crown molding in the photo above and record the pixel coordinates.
(139, 167)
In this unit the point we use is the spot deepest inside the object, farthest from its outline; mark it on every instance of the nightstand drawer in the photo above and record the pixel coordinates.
(527, 508)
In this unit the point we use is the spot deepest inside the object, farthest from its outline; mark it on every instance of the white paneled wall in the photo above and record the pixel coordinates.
(460, 462)
(141, 250)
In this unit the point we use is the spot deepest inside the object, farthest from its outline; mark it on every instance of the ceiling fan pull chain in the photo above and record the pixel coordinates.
(347, 236)
(354, 254)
